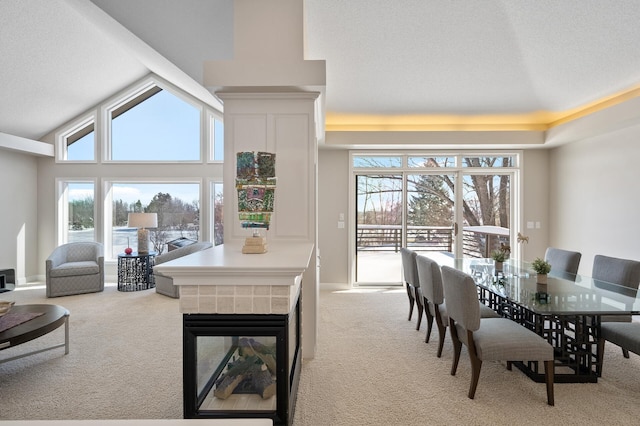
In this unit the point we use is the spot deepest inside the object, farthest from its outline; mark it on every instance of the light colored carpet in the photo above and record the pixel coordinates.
(371, 368)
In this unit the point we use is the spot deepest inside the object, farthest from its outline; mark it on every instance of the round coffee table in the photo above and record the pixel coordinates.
(53, 317)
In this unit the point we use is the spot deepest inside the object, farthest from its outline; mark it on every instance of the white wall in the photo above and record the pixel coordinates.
(19, 214)
(535, 202)
(333, 199)
(594, 204)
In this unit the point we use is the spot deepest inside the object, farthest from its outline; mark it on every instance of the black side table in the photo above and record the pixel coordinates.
(135, 271)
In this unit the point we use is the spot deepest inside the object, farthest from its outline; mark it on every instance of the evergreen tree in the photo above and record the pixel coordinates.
(431, 203)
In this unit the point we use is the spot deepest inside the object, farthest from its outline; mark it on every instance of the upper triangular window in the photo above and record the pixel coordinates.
(154, 125)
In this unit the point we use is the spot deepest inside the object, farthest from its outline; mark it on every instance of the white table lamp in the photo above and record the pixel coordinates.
(142, 221)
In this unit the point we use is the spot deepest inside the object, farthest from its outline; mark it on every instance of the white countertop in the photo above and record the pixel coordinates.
(281, 263)
(155, 422)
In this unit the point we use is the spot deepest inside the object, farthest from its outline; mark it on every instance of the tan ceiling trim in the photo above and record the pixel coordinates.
(535, 121)
(433, 127)
(596, 106)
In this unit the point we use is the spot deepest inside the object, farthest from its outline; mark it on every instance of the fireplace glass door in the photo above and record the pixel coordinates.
(236, 372)
(241, 366)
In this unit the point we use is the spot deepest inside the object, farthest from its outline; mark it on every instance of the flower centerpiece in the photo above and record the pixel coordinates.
(542, 268)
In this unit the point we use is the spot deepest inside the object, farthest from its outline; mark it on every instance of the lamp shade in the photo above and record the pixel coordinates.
(143, 220)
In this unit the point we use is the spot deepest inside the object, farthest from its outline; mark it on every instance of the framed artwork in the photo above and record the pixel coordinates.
(256, 185)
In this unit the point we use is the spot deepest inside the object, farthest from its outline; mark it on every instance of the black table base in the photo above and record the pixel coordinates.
(573, 337)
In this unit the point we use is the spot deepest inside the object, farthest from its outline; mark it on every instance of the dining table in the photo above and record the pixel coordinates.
(567, 311)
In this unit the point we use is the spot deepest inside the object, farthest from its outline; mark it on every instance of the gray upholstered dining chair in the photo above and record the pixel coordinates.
(624, 334)
(430, 279)
(410, 278)
(624, 272)
(563, 260)
(489, 339)
(75, 268)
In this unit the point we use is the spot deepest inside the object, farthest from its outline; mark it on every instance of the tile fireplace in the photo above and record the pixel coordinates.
(243, 333)
(244, 365)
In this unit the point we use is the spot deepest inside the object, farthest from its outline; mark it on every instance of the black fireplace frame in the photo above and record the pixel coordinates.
(287, 376)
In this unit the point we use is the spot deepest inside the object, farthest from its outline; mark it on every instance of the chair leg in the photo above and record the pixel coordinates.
(411, 300)
(549, 374)
(421, 307)
(457, 347)
(476, 365)
(625, 353)
(509, 365)
(429, 320)
(442, 331)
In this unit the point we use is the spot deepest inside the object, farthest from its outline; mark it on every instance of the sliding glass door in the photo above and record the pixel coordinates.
(379, 233)
(454, 206)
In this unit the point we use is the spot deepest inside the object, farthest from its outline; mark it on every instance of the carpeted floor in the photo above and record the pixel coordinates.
(371, 368)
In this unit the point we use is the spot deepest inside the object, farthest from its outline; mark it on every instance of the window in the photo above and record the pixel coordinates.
(374, 161)
(456, 205)
(177, 206)
(217, 209)
(216, 129)
(77, 211)
(154, 125)
(431, 161)
(78, 144)
(501, 161)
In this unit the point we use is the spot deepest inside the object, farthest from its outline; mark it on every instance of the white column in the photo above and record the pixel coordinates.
(282, 123)
(272, 101)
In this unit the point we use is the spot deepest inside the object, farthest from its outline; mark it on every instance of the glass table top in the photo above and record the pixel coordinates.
(563, 294)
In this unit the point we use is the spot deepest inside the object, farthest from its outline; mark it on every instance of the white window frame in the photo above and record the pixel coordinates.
(108, 171)
(131, 93)
(211, 118)
(78, 124)
(516, 186)
(212, 206)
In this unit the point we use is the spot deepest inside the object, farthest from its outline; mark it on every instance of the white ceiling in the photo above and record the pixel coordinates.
(61, 57)
(473, 57)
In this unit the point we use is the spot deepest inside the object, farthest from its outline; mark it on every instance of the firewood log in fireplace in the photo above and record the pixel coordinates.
(250, 347)
(227, 385)
(263, 383)
(242, 369)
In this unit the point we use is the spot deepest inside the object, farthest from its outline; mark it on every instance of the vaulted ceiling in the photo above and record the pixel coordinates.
(388, 62)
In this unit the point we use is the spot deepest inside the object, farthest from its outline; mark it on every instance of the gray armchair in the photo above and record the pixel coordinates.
(75, 268)
(164, 283)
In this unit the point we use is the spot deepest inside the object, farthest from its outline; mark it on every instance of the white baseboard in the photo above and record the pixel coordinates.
(334, 286)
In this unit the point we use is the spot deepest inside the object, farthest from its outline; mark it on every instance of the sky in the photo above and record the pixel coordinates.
(187, 192)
